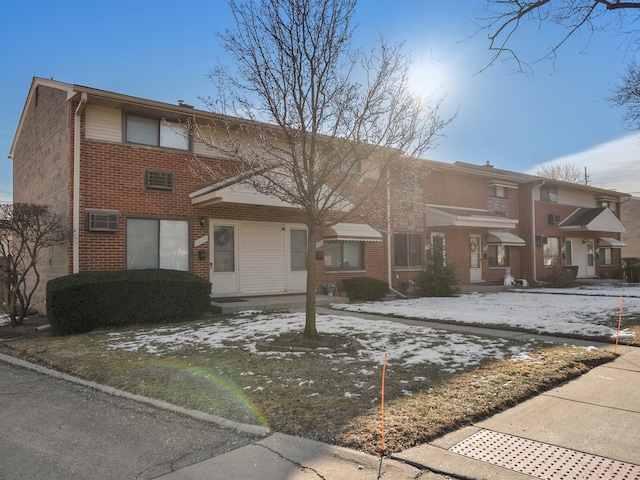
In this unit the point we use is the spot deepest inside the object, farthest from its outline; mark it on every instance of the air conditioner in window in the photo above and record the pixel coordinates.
(553, 219)
(102, 220)
(541, 239)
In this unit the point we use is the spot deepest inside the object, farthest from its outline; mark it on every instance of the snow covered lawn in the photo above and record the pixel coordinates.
(591, 311)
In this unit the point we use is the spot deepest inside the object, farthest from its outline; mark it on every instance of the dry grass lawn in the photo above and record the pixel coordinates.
(335, 399)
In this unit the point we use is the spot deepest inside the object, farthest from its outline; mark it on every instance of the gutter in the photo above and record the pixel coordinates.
(77, 138)
(533, 230)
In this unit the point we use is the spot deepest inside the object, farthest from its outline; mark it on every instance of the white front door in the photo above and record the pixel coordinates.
(224, 258)
(475, 256)
(581, 253)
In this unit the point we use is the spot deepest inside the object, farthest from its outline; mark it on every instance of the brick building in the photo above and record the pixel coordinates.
(120, 170)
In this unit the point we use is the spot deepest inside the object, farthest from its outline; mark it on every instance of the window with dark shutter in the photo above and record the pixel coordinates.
(158, 180)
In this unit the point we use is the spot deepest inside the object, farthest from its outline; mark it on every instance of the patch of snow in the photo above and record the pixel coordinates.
(4, 320)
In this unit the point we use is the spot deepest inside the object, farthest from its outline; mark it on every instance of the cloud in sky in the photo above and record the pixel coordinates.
(614, 165)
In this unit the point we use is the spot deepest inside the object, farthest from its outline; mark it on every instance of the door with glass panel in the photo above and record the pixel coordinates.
(224, 258)
(475, 257)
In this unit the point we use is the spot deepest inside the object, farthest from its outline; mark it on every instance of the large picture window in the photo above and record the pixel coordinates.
(551, 251)
(156, 243)
(343, 255)
(407, 250)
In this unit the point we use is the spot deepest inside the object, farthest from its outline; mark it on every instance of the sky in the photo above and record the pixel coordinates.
(164, 50)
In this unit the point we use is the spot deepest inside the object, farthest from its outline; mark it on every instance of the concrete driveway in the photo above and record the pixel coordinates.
(53, 429)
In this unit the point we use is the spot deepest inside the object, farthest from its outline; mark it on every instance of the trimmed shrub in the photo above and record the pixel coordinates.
(438, 280)
(87, 301)
(562, 277)
(365, 288)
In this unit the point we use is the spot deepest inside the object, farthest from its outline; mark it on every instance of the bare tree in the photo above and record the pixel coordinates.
(566, 172)
(25, 229)
(328, 127)
(627, 95)
(505, 17)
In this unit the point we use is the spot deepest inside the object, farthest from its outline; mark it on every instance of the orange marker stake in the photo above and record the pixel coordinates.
(615, 349)
(384, 370)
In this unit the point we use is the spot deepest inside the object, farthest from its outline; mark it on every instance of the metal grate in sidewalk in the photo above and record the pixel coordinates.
(542, 460)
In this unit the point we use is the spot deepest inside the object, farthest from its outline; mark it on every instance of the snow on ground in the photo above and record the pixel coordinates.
(4, 320)
(406, 344)
(582, 311)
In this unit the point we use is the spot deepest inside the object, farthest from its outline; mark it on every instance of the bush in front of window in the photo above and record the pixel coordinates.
(562, 277)
(365, 288)
(87, 301)
(438, 280)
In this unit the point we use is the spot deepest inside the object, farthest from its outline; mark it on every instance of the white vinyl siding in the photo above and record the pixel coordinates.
(262, 258)
(103, 124)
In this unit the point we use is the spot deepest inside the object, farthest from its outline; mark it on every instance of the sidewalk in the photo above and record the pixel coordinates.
(587, 428)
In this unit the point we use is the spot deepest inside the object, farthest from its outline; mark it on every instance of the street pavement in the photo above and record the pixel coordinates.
(53, 429)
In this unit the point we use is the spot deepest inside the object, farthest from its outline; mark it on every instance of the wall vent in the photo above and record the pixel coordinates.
(553, 219)
(541, 239)
(158, 180)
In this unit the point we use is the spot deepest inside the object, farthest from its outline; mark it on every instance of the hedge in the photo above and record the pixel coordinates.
(87, 301)
(365, 288)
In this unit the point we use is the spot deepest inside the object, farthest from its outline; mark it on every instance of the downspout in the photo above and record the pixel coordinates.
(533, 230)
(389, 269)
(77, 138)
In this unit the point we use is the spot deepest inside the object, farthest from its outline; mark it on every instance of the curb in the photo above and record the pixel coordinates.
(257, 430)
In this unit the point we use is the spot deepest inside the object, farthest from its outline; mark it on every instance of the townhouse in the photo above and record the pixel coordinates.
(122, 171)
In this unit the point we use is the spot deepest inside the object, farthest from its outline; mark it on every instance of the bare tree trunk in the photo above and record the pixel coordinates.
(310, 330)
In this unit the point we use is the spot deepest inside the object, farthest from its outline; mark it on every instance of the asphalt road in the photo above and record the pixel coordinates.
(53, 429)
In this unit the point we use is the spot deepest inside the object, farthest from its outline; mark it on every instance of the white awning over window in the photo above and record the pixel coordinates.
(504, 238)
(611, 242)
(351, 232)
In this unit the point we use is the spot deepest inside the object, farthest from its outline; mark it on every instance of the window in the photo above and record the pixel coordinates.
(438, 249)
(343, 255)
(551, 251)
(605, 256)
(155, 132)
(298, 250)
(351, 167)
(498, 191)
(407, 249)
(549, 194)
(498, 256)
(568, 252)
(155, 243)
(157, 180)
(224, 250)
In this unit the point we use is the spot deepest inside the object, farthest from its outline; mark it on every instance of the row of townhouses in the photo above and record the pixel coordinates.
(119, 168)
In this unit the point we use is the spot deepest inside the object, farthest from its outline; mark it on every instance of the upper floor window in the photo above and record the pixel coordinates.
(498, 191)
(407, 249)
(155, 132)
(549, 193)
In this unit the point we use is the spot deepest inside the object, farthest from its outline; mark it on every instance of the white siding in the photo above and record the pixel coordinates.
(103, 123)
(262, 258)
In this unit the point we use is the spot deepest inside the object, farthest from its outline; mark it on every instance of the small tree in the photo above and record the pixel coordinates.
(25, 229)
(327, 128)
